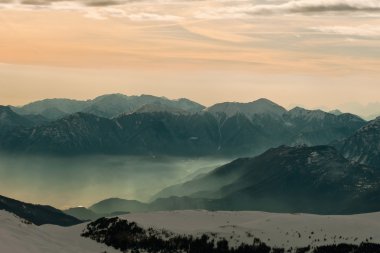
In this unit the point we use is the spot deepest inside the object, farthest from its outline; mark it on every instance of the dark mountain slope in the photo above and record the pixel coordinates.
(316, 127)
(37, 214)
(364, 145)
(166, 133)
(9, 119)
(285, 179)
(312, 180)
(76, 134)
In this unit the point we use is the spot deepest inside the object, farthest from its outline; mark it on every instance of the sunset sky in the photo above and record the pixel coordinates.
(315, 53)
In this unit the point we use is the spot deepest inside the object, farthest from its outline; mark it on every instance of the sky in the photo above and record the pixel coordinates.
(314, 53)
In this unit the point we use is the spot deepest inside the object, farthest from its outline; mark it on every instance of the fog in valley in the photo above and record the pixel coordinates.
(83, 180)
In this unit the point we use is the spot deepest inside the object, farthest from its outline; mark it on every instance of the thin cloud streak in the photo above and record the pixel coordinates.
(224, 9)
(306, 6)
(361, 31)
(291, 7)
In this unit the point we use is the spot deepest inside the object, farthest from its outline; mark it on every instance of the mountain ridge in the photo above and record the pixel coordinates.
(250, 109)
(37, 214)
(108, 105)
(160, 132)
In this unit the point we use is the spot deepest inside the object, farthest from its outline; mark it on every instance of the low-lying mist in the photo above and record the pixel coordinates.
(81, 181)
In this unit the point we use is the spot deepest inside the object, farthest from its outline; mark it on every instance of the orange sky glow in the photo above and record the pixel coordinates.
(210, 52)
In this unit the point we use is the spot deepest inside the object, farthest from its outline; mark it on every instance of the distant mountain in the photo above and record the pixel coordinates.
(112, 105)
(86, 214)
(316, 127)
(37, 214)
(104, 106)
(336, 112)
(52, 108)
(114, 205)
(285, 179)
(258, 107)
(163, 130)
(119, 206)
(364, 145)
(82, 213)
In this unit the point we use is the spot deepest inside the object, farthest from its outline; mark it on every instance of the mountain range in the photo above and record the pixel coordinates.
(296, 161)
(147, 125)
(290, 162)
(107, 106)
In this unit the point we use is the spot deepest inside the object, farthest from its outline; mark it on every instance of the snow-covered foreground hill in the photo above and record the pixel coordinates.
(16, 236)
(277, 230)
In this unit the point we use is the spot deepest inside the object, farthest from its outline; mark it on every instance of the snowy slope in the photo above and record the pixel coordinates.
(18, 237)
(276, 230)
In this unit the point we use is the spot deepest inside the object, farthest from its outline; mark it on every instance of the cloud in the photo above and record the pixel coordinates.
(134, 10)
(307, 6)
(94, 15)
(362, 30)
(172, 10)
(101, 2)
(293, 6)
(83, 2)
(105, 13)
(37, 2)
(153, 17)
